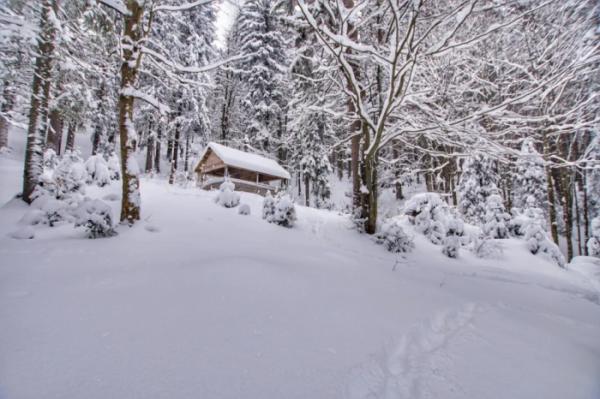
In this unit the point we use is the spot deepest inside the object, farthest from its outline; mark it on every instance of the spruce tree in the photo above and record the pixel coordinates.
(478, 182)
(530, 178)
(263, 73)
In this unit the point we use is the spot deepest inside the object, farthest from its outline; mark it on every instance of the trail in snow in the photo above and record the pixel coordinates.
(403, 368)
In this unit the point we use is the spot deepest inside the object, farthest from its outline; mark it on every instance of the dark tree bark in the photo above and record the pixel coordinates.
(158, 145)
(70, 144)
(175, 159)
(306, 191)
(40, 97)
(150, 154)
(186, 166)
(55, 131)
(552, 206)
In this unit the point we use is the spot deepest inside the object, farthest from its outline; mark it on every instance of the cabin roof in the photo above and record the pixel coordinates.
(246, 160)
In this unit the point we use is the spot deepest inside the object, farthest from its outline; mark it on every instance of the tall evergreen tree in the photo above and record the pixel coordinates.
(263, 73)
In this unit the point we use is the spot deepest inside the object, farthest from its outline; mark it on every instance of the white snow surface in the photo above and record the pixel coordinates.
(247, 161)
(196, 301)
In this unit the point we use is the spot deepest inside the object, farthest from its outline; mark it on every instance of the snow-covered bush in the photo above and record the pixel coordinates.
(244, 209)
(51, 159)
(538, 242)
(393, 237)
(593, 243)
(96, 217)
(268, 207)
(114, 166)
(49, 206)
(454, 231)
(486, 248)
(97, 169)
(227, 197)
(496, 218)
(523, 217)
(285, 212)
(24, 233)
(47, 210)
(429, 214)
(70, 175)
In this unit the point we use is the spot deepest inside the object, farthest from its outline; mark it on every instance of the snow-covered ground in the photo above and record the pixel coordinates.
(196, 301)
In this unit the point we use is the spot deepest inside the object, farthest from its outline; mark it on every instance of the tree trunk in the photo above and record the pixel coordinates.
(175, 159)
(567, 204)
(586, 214)
(186, 165)
(157, 145)
(7, 106)
(150, 153)
(170, 147)
(577, 217)
(70, 145)
(99, 129)
(306, 191)
(96, 140)
(3, 131)
(370, 203)
(132, 34)
(55, 132)
(552, 206)
(40, 96)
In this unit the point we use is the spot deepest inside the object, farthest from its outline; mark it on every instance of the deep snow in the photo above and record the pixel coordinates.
(197, 301)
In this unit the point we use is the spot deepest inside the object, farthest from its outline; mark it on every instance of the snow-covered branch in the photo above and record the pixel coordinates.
(131, 92)
(183, 7)
(116, 5)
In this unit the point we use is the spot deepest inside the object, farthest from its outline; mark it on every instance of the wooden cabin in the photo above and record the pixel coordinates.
(249, 172)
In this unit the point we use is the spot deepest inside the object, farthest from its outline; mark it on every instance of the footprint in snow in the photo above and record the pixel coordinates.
(402, 368)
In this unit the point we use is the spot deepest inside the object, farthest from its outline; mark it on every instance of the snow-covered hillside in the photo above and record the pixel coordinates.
(197, 301)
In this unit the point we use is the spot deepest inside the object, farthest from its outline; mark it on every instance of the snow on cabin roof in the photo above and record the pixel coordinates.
(247, 160)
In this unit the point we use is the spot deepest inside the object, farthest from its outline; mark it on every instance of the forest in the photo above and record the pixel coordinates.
(473, 98)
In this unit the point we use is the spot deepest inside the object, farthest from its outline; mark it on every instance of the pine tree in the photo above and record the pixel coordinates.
(477, 183)
(529, 178)
(496, 218)
(15, 69)
(263, 73)
(309, 154)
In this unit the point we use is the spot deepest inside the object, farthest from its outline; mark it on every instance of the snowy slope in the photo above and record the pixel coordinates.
(197, 301)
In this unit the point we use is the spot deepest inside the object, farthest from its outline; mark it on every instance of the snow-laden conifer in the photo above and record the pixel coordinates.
(477, 183)
(496, 219)
(393, 237)
(529, 183)
(96, 217)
